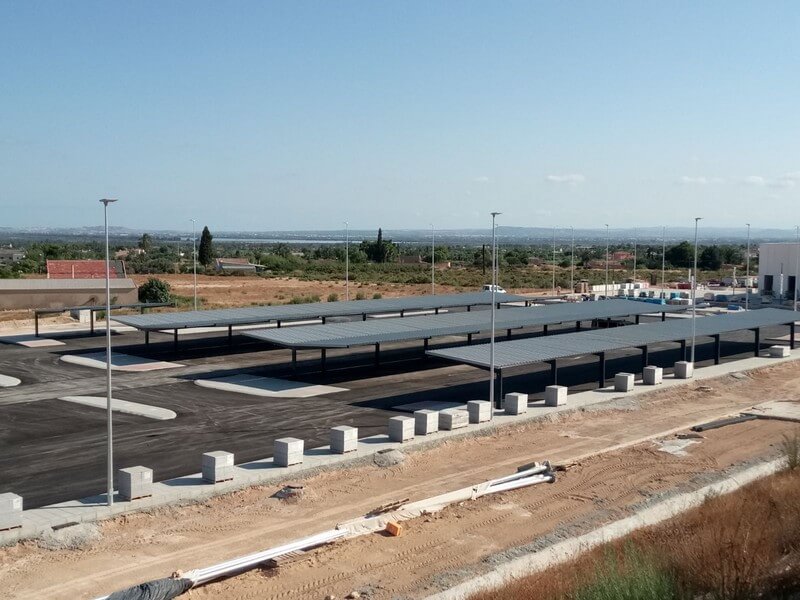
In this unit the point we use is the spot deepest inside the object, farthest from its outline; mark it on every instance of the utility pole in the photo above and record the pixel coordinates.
(747, 273)
(694, 288)
(494, 308)
(346, 261)
(433, 260)
(664, 262)
(606, 261)
(572, 263)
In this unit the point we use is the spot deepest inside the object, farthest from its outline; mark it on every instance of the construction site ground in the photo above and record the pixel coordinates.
(618, 467)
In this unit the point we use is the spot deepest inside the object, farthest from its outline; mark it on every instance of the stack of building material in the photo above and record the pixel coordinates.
(516, 403)
(653, 375)
(217, 466)
(344, 439)
(288, 451)
(453, 418)
(401, 429)
(10, 511)
(135, 482)
(479, 411)
(426, 421)
(623, 382)
(555, 395)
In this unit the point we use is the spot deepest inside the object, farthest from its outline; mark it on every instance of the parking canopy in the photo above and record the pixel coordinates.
(377, 331)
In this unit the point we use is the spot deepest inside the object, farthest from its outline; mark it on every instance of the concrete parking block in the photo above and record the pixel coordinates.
(288, 451)
(453, 418)
(10, 511)
(779, 351)
(555, 395)
(684, 369)
(217, 466)
(135, 482)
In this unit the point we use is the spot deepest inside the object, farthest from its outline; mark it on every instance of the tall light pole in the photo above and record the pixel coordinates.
(694, 287)
(664, 262)
(572, 263)
(433, 260)
(606, 261)
(109, 424)
(346, 261)
(634, 258)
(194, 260)
(796, 265)
(494, 307)
(554, 261)
(747, 273)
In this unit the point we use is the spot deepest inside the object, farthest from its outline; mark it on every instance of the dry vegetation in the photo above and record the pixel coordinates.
(738, 546)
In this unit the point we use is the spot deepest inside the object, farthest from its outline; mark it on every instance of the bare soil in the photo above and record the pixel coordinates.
(434, 550)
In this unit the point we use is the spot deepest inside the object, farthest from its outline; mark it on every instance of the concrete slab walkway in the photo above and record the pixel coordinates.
(123, 406)
(119, 362)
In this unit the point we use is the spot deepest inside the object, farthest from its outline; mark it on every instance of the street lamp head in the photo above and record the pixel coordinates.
(494, 214)
(696, 219)
(107, 201)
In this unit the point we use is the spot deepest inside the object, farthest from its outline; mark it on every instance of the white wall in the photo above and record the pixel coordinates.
(770, 259)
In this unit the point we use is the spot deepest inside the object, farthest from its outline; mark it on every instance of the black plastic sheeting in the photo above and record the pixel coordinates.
(160, 589)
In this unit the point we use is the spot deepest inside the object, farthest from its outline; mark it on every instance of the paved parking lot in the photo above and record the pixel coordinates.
(52, 451)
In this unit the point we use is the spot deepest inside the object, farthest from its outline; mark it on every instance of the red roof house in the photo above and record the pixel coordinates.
(84, 269)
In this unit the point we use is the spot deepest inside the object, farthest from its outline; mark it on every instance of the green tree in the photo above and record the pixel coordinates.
(379, 251)
(154, 290)
(146, 243)
(681, 255)
(206, 252)
(710, 258)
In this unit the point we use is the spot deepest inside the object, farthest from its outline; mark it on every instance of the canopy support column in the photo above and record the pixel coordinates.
(757, 341)
(601, 377)
(377, 355)
(717, 348)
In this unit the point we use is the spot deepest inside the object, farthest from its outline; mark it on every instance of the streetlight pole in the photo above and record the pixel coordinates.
(554, 261)
(346, 261)
(796, 265)
(606, 261)
(433, 260)
(747, 273)
(494, 307)
(635, 240)
(664, 262)
(194, 260)
(572, 263)
(109, 424)
(694, 288)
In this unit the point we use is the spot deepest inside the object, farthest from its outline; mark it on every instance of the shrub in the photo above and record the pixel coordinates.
(377, 296)
(360, 296)
(791, 450)
(155, 290)
(304, 299)
(333, 297)
(633, 577)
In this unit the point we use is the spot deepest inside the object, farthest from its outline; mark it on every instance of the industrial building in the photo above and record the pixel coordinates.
(777, 269)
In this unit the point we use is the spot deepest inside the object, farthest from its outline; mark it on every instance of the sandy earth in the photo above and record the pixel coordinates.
(149, 545)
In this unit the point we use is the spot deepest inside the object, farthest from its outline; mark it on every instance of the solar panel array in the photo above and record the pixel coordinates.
(300, 312)
(345, 335)
(517, 353)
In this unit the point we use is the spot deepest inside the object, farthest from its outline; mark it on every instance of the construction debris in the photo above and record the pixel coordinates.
(394, 529)
(723, 422)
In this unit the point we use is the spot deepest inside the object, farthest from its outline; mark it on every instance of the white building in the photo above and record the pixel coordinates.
(777, 269)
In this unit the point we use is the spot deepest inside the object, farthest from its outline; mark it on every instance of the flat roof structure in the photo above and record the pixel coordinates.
(256, 315)
(362, 333)
(523, 352)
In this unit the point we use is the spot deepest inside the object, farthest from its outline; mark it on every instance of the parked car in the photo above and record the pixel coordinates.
(498, 290)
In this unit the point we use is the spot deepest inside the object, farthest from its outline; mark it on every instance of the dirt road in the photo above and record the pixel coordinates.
(150, 545)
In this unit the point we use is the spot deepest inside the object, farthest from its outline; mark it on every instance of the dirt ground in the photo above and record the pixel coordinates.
(434, 549)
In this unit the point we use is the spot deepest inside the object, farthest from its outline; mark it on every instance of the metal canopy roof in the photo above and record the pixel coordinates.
(344, 335)
(517, 353)
(300, 312)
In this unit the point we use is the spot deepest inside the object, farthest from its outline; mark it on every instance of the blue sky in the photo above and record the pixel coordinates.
(300, 115)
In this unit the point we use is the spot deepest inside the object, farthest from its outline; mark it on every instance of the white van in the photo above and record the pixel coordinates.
(498, 290)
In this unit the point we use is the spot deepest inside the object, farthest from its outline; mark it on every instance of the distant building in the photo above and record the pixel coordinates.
(60, 293)
(410, 260)
(9, 256)
(128, 252)
(777, 266)
(241, 265)
(621, 255)
(84, 269)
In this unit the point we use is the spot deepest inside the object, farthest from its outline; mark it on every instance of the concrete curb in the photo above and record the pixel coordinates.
(192, 488)
(567, 550)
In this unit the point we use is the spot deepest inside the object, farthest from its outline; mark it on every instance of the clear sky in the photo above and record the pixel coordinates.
(300, 115)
